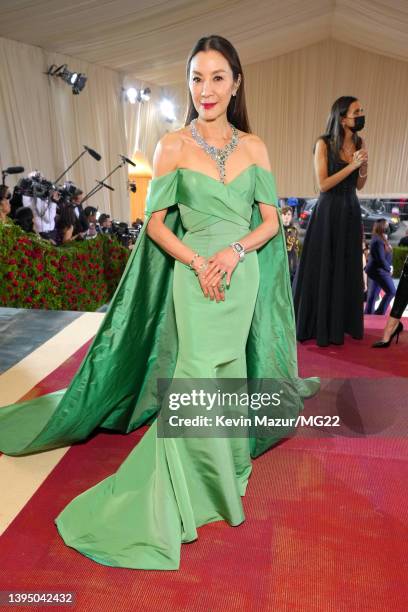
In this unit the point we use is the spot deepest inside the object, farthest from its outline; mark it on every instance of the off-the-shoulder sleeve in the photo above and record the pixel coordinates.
(265, 187)
(162, 192)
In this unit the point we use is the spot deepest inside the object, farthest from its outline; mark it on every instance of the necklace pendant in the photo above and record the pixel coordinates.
(221, 170)
(220, 156)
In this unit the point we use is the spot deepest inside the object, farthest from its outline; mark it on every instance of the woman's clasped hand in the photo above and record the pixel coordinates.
(360, 157)
(214, 274)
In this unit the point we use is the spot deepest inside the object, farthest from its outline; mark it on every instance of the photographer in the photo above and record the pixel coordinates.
(104, 224)
(5, 207)
(44, 213)
(23, 217)
(65, 225)
(16, 201)
(81, 223)
(41, 196)
(124, 234)
(90, 220)
(90, 215)
(138, 224)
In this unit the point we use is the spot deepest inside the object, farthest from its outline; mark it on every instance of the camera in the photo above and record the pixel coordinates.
(67, 192)
(124, 234)
(35, 186)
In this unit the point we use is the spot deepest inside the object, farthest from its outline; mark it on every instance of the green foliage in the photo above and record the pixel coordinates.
(398, 257)
(78, 276)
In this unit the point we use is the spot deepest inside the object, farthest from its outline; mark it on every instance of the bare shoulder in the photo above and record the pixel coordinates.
(321, 147)
(256, 149)
(168, 152)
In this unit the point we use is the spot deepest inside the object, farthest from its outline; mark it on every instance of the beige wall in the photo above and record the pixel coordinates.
(289, 98)
(43, 125)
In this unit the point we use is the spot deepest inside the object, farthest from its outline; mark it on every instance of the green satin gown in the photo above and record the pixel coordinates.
(160, 325)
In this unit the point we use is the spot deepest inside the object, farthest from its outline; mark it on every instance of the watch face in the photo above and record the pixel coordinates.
(238, 247)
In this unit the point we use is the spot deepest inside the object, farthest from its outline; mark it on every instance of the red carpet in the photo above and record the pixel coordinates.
(326, 526)
(355, 358)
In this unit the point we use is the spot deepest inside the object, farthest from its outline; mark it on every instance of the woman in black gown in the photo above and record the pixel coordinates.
(329, 288)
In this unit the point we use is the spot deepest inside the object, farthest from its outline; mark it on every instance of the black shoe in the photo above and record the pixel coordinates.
(396, 333)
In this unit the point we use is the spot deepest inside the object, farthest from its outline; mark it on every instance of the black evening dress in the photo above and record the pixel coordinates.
(329, 287)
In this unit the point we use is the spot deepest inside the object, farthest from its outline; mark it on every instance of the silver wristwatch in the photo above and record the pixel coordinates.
(239, 249)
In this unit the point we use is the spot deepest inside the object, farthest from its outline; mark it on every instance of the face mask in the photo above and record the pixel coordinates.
(359, 123)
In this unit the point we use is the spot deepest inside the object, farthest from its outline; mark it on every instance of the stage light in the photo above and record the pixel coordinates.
(79, 83)
(167, 110)
(131, 94)
(77, 80)
(144, 95)
(137, 95)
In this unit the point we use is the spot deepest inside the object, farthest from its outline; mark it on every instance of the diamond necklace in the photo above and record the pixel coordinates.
(220, 156)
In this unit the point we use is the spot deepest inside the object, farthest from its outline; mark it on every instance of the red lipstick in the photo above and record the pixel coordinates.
(208, 105)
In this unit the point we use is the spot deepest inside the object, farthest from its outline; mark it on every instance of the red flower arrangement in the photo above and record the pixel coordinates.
(35, 274)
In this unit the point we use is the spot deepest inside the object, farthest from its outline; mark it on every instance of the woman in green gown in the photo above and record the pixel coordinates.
(206, 295)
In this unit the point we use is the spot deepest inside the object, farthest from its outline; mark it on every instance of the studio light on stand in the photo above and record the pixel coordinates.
(134, 95)
(131, 95)
(76, 80)
(143, 95)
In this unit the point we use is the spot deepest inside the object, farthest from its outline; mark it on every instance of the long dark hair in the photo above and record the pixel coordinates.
(66, 217)
(24, 218)
(379, 229)
(236, 111)
(334, 134)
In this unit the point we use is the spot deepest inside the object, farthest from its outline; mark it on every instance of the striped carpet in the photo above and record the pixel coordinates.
(326, 515)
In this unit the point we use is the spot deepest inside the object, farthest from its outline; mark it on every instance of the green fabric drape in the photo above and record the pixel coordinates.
(116, 384)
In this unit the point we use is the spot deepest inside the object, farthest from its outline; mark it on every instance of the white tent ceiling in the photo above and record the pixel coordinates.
(150, 39)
